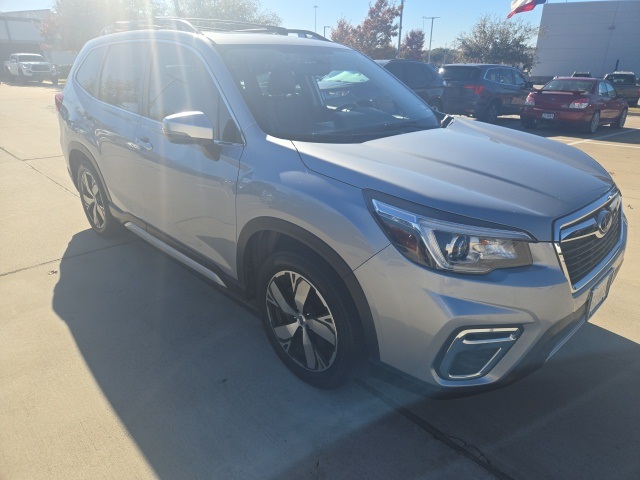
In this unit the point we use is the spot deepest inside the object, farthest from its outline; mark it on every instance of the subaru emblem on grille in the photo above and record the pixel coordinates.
(604, 221)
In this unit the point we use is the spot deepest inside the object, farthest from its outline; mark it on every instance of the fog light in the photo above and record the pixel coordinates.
(475, 352)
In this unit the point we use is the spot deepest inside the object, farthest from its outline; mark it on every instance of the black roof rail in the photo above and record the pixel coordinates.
(206, 24)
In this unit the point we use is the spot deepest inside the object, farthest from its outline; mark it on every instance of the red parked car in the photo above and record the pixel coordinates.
(583, 102)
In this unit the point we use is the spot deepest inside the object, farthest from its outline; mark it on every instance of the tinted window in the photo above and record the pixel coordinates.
(121, 82)
(493, 75)
(519, 79)
(506, 75)
(87, 74)
(459, 73)
(396, 69)
(416, 75)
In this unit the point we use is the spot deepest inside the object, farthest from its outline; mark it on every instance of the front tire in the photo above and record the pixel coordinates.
(309, 319)
(94, 203)
(528, 123)
(622, 119)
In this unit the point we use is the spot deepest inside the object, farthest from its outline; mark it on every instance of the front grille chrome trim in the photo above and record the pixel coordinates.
(581, 226)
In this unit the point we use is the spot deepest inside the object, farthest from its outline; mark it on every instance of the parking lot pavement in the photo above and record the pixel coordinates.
(115, 362)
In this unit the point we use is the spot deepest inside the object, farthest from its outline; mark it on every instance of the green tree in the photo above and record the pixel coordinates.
(412, 47)
(440, 56)
(493, 40)
(73, 22)
(373, 36)
(240, 10)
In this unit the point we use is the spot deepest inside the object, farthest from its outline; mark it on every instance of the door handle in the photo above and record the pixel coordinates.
(144, 144)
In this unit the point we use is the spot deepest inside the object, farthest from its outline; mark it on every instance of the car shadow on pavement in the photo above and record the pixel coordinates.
(195, 383)
(192, 378)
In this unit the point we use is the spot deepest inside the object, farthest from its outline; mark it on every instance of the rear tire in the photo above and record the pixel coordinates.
(490, 115)
(594, 123)
(309, 319)
(94, 203)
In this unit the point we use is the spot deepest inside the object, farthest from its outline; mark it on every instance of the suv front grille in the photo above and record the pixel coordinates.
(39, 68)
(587, 241)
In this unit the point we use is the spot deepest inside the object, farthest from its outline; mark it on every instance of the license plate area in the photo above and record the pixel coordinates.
(548, 116)
(599, 293)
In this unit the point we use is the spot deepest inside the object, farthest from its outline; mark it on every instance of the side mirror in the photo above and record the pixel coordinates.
(188, 127)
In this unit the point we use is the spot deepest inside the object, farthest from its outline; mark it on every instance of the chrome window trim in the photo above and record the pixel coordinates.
(612, 197)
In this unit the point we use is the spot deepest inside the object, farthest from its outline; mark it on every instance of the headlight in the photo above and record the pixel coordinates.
(443, 245)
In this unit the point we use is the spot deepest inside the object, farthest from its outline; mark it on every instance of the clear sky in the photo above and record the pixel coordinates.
(456, 16)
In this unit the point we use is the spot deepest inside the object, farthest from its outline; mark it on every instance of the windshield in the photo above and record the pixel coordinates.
(324, 94)
(569, 85)
(30, 58)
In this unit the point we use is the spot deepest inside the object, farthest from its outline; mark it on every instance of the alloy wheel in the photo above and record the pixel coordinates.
(301, 321)
(92, 200)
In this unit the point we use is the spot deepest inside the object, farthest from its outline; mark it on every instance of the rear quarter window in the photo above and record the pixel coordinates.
(87, 74)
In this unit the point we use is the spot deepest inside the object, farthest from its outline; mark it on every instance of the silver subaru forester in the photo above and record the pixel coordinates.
(306, 181)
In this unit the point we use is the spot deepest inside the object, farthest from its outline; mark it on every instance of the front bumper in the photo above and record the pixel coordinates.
(419, 313)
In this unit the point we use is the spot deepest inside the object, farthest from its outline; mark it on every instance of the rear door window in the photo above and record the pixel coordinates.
(122, 74)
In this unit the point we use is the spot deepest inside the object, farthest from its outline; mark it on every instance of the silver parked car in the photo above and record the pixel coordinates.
(459, 254)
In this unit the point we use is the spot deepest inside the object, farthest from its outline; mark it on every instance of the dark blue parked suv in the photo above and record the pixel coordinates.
(484, 91)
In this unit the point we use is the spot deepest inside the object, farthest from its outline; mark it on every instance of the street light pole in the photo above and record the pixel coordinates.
(315, 18)
(400, 26)
(430, 35)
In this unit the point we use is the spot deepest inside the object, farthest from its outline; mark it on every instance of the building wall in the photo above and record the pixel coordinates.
(588, 36)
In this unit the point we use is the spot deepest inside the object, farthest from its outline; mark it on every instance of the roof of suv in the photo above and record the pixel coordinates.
(217, 37)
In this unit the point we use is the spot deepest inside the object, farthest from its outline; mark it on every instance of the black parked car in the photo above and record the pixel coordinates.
(483, 90)
(420, 77)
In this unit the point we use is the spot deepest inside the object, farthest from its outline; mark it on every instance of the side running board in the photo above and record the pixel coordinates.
(172, 252)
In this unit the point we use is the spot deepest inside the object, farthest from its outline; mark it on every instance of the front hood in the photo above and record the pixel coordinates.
(473, 169)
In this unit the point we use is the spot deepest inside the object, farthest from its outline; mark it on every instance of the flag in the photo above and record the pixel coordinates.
(519, 6)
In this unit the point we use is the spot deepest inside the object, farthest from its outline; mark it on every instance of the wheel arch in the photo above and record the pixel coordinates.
(266, 235)
(79, 154)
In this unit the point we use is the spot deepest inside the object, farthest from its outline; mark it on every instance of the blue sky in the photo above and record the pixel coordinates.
(457, 16)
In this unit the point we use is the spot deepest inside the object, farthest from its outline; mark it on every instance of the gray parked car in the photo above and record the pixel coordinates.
(459, 254)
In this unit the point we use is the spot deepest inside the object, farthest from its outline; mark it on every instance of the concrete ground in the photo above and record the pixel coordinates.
(116, 362)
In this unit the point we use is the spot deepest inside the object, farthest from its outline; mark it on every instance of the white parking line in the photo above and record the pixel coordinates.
(602, 137)
(614, 144)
